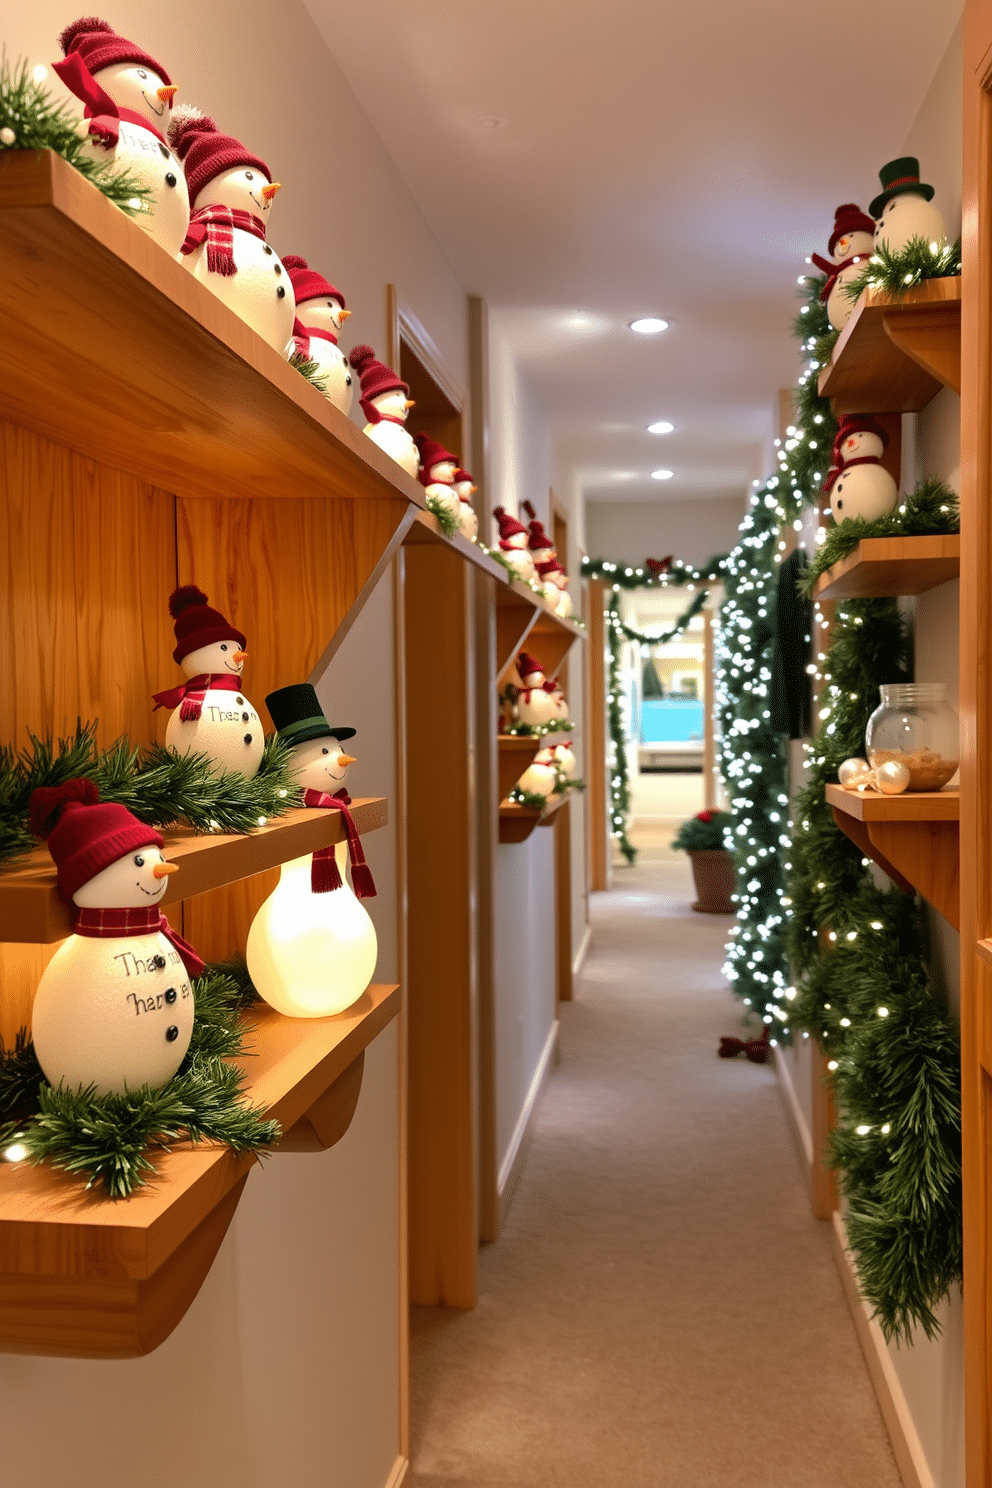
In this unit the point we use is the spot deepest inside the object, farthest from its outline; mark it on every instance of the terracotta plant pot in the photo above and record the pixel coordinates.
(713, 874)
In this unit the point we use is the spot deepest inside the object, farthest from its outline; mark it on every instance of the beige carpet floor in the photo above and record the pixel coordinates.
(661, 1311)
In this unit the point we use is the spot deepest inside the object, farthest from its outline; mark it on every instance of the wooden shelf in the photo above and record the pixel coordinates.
(425, 528)
(516, 752)
(881, 566)
(522, 615)
(113, 348)
(517, 822)
(32, 911)
(914, 838)
(86, 1277)
(897, 351)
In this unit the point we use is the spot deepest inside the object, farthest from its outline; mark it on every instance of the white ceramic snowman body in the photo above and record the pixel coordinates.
(907, 216)
(332, 365)
(863, 491)
(563, 606)
(311, 955)
(395, 439)
(115, 1013)
(442, 486)
(139, 151)
(534, 705)
(261, 291)
(228, 730)
(851, 245)
(564, 758)
(468, 522)
(540, 778)
(514, 551)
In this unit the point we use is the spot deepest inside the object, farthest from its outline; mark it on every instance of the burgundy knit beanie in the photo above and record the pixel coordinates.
(462, 475)
(431, 454)
(508, 524)
(197, 624)
(849, 218)
(857, 423)
(99, 46)
(527, 664)
(205, 152)
(538, 537)
(307, 283)
(375, 376)
(85, 835)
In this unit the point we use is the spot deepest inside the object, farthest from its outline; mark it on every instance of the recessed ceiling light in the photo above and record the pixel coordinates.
(662, 474)
(661, 427)
(648, 325)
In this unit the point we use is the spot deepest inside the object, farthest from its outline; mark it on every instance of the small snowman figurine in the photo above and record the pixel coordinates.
(320, 314)
(212, 715)
(904, 207)
(128, 98)
(513, 543)
(540, 777)
(114, 1007)
(560, 701)
(437, 473)
(539, 544)
(231, 193)
(536, 703)
(851, 244)
(386, 402)
(557, 596)
(563, 757)
(312, 947)
(858, 484)
(547, 572)
(468, 522)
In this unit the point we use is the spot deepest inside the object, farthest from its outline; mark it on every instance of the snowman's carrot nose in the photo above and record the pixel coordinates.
(162, 870)
(411, 402)
(269, 191)
(167, 94)
(346, 759)
(343, 314)
(239, 656)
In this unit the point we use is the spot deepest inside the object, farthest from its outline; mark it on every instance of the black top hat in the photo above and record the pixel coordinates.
(898, 177)
(297, 715)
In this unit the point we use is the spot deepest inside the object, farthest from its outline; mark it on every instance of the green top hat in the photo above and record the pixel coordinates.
(297, 715)
(898, 177)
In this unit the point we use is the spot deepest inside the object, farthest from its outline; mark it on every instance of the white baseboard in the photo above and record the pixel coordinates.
(512, 1164)
(398, 1475)
(796, 1114)
(583, 950)
(903, 1436)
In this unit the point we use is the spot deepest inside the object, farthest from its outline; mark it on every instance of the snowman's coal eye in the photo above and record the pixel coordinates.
(170, 179)
(223, 647)
(139, 861)
(325, 751)
(249, 175)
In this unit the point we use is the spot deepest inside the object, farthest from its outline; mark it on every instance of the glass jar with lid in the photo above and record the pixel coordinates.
(915, 724)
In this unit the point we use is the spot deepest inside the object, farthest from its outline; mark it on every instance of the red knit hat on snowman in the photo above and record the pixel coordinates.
(376, 379)
(432, 453)
(848, 219)
(89, 45)
(508, 526)
(309, 285)
(206, 153)
(197, 624)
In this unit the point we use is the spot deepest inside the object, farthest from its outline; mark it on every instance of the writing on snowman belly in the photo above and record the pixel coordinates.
(221, 715)
(155, 1001)
(142, 139)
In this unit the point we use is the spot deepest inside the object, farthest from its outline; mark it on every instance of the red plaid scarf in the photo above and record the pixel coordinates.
(191, 694)
(307, 333)
(217, 225)
(101, 110)
(324, 874)
(111, 924)
(833, 270)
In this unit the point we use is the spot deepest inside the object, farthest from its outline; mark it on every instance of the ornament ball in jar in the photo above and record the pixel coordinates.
(915, 724)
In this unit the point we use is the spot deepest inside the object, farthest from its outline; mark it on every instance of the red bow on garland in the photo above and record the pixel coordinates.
(101, 110)
(216, 225)
(108, 924)
(659, 566)
(324, 873)
(755, 1049)
(191, 694)
(833, 270)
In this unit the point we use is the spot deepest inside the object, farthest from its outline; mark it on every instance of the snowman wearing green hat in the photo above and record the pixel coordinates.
(904, 208)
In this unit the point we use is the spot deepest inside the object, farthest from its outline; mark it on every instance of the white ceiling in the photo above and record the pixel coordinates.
(583, 164)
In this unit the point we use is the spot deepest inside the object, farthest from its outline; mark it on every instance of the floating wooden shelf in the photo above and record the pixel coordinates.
(516, 751)
(522, 615)
(86, 1277)
(517, 822)
(32, 911)
(882, 566)
(897, 351)
(426, 528)
(914, 838)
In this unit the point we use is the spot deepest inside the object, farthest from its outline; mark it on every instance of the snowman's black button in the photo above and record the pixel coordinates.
(278, 268)
(268, 249)
(245, 717)
(281, 292)
(171, 1034)
(170, 996)
(158, 962)
(165, 152)
(240, 702)
(247, 738)
(170, 179)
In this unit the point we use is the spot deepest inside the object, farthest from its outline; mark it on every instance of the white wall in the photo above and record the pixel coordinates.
(692, 530)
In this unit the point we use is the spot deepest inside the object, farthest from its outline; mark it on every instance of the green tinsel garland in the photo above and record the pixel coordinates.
(160, 786)
(110, 1139)
(898, 272)
(447, 521)
(37, 123)
(932, 508)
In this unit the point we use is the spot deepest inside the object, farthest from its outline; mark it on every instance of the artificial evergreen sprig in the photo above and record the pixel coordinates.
(30, 120)
(632, 576)
(538, 730)
(932, 507)
(447, 520)
(309, 369)
(902, 270)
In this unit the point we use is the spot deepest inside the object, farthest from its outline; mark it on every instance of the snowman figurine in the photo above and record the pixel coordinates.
(468, 522)
(312, 947)
(559, 598)
(128, 98)
(904, 207)
(513, 543)
(563, 758)
(231, 193)
(211, 714)
(114, 1007)
(386, 402)
(539, 544)
(540, 777)
(858, 484)
(320, 314)
(536, 703)
(851, 244)
(437, 474)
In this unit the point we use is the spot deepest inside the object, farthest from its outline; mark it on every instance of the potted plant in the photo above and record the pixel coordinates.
(702, 837)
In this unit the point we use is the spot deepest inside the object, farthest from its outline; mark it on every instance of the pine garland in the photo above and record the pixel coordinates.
(110, 1139)
(160, 786)
(906, 268)
(309, 369)
(29, 120)
(538, 730)
(447, 520)
(931, 508)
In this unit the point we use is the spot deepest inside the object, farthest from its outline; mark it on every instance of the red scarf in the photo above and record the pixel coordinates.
(109, 924)
(303, 335)
(324, 874)
(104, 114)
(217, 225)
(191, 694)
(838, 470)
(375, 417)
(833, 270)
